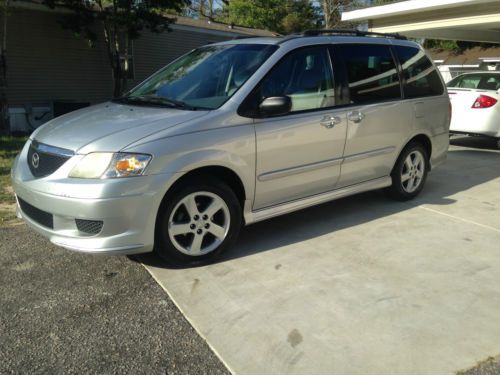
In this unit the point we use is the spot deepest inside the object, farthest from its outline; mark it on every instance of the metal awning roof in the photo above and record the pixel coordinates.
(473, 20)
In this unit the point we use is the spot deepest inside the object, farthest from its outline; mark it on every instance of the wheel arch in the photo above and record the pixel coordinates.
(425, 141)
(222, 173)
(422, 139)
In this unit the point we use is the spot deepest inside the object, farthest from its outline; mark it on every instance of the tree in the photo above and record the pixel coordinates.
(382, 2)
(332, 12)
(301, 15)
(121, 22)
(282, 16)
(205, 8)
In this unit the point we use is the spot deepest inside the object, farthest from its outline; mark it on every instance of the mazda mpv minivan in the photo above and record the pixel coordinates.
(233, 133)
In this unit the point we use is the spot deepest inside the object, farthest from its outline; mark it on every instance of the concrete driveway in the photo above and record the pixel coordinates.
(362, 285)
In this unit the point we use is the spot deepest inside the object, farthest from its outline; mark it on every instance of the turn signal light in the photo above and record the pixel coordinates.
(126, 166)
(484, 101)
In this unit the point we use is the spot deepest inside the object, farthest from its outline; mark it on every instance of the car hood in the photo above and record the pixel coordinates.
(109, 126)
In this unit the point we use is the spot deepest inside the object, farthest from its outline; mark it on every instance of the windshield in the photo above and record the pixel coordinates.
(204, 78)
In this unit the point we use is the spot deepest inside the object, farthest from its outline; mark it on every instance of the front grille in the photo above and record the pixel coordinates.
(41, 217)
(89, 226)
(44, 160)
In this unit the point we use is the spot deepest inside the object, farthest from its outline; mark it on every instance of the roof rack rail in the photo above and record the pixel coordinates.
(317, 32)
(244, 37)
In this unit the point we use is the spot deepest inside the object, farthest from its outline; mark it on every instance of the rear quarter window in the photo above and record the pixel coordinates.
(420, 76)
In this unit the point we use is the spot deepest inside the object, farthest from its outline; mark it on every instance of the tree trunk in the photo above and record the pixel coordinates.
(331, 12)
(4, 105)
(114, 59)
(125, 68)
(210, 9)
(115, 53)
(117, 74)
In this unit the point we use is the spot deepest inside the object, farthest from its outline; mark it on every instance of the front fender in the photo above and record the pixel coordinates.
(231, 147)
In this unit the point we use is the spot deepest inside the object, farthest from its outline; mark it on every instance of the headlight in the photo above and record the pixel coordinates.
(110, 165)
(123, 165)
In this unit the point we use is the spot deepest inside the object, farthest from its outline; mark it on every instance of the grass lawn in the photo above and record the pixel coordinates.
(9, 147)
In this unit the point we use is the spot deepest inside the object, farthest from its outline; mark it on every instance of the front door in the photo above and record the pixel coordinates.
(300, 154)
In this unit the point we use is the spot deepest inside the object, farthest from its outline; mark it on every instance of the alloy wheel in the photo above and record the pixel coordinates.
(413, 171)
(199, 223)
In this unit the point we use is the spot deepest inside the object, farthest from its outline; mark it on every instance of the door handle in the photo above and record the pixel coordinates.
(355, 116)
(330, 121)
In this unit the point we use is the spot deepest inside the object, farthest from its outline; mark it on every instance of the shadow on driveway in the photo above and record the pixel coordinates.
(472, 161)
(485, 143)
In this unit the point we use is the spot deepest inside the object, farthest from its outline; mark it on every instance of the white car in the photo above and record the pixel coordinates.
(475, 104)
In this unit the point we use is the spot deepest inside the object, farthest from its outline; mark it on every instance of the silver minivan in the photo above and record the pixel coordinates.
(233, 133)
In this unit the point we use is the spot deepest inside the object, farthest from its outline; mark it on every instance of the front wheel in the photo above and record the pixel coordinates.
(197, 222)
(409, 173)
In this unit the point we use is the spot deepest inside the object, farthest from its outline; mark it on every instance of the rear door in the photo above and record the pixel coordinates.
(424, 90)
(378, 120)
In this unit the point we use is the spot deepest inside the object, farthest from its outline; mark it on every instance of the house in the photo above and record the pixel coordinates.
(50, 71)
(451, 63)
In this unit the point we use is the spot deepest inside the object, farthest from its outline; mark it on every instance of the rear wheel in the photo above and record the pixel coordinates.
(197, 222)
(409, 173)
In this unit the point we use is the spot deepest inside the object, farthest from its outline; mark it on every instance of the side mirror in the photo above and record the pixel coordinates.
(275, 106)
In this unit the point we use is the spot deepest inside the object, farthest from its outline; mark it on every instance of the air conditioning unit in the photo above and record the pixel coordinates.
(28, 118)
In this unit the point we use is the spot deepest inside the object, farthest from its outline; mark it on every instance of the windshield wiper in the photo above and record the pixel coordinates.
(156, 100)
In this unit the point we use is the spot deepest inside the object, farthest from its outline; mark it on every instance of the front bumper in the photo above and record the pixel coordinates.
(127, 208)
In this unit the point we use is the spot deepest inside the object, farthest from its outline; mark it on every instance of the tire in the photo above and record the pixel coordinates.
(498, 143)
(197, 222)
(410, 173)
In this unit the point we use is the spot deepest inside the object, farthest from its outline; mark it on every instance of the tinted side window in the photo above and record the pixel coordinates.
(421, 78)
(371, 73)
(490, 83)
(305, 76)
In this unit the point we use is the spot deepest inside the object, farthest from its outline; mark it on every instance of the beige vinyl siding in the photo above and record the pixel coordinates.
(46, 63)
(153, 51)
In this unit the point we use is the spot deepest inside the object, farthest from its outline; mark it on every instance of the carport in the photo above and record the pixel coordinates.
(470, 20)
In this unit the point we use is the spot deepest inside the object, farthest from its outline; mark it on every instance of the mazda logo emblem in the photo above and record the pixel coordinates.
(35, 160)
